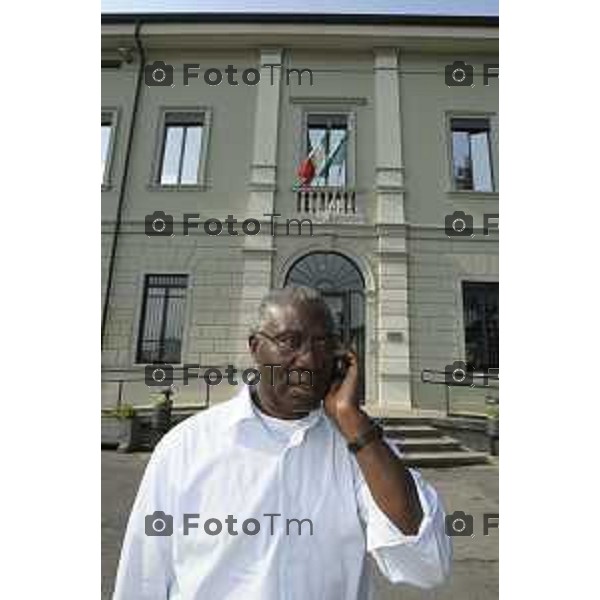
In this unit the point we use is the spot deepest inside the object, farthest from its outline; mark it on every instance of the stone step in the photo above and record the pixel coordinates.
(406, 431)
(395, 421)
(423, 445)
(428, 444)
(445, 459)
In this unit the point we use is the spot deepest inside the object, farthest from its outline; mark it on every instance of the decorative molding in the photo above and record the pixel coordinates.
(263, 166)
(329, 100)
(392, 254)
(256, 252)
(390, 188)
(391, 376)
(472, 195)
(263, 174)
(396, 229)
(389, 169)
(191, 187)
(260, 186)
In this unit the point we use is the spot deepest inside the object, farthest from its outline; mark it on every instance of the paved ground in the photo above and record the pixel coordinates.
(473, 490)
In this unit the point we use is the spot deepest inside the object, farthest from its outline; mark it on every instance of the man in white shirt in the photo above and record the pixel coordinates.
(279, 493)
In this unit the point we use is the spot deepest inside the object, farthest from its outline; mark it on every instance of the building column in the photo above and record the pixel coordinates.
(393, 360)
(258, 249)
(389, 182)
(393, 322)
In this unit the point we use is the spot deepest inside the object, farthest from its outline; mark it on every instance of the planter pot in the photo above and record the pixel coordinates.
(493, 431)
(161, 417)
(493, 428)
(111, 432)
(160, 421)
(129, 434)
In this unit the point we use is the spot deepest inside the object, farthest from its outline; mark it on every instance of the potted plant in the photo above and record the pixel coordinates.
(493, 424)
(161, 414)
(129, 428)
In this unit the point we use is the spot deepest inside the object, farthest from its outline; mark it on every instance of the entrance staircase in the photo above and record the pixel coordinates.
(423, 445)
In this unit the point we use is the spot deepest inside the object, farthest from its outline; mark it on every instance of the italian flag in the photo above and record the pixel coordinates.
(317, 162)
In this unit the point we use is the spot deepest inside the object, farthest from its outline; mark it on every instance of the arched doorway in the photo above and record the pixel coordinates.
(342, 285)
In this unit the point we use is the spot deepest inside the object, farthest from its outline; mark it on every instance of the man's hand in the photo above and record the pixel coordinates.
(341, 401)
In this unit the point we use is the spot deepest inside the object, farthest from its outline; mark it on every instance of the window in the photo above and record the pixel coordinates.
(108, 122)
(480, 306)
(161, 325)
(327, 146)
(471, 155)
(182, 148)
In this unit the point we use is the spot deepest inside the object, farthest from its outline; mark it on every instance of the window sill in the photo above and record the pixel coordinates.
(174, 365)
(324, 188)
(195, 187)
(472, 195)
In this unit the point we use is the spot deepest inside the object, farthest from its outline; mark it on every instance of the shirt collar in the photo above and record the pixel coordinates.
(244, 410)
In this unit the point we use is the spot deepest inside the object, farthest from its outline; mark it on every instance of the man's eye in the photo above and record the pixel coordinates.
(289, 342)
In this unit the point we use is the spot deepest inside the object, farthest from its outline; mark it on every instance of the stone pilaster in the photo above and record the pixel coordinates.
(258, 249)
(393, 322)
(393, 364)
(389, 180)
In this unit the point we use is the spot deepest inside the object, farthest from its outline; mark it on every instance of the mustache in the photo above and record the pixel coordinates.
(277, 374)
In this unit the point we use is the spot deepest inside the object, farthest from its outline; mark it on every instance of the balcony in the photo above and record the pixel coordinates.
(329, 205)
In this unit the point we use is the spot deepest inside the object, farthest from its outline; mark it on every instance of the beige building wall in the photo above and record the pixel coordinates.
(401, 173)
(438, 264)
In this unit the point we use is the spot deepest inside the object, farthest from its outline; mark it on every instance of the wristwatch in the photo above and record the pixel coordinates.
(374, 432)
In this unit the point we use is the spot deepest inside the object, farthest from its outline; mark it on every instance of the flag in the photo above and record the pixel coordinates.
(317, 162)
(336, 156)
(306, 171)
(312, 163)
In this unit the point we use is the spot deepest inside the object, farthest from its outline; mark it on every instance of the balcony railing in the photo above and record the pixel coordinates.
(328, 204)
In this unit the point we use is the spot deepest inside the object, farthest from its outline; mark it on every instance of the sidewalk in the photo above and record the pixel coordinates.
(473, 490)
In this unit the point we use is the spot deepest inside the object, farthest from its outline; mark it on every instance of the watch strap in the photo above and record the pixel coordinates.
(374, 432)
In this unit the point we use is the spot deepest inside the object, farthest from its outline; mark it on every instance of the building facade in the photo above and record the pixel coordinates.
(207, 122)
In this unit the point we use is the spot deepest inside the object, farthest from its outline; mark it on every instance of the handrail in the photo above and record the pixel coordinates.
(430, 376)
(136, 375)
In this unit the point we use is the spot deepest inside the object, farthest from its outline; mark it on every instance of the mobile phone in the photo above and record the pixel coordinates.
(340, 365)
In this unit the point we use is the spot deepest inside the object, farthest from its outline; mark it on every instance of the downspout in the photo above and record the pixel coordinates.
(115, 240)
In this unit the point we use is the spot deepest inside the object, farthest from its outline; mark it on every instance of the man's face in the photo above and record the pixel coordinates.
(303, 327)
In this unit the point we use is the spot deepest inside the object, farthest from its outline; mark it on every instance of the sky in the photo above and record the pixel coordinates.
(417, 7)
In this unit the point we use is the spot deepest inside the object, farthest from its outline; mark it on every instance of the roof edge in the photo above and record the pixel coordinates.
(301, 19)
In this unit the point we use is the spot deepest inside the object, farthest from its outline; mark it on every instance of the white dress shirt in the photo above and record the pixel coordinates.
(232, 460)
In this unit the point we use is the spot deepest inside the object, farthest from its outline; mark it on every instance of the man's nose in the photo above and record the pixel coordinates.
(307, 358)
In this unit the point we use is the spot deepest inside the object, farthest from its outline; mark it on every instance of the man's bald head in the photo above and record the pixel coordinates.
(295, 296)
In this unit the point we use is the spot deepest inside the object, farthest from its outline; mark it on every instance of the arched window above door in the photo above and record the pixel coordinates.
(326, 271)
